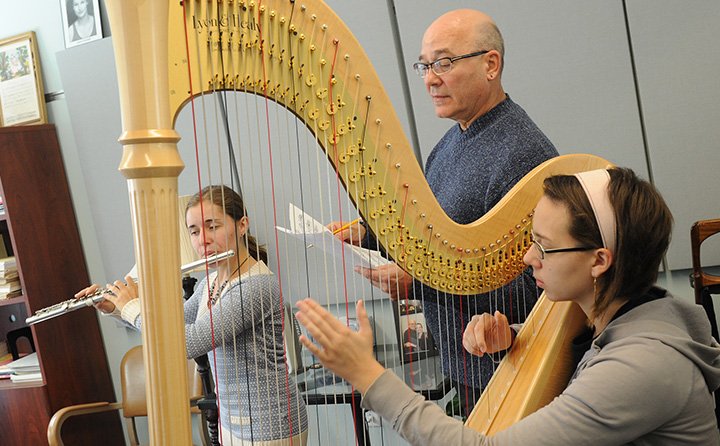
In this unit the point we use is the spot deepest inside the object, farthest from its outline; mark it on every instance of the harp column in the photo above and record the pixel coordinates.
(151, 164)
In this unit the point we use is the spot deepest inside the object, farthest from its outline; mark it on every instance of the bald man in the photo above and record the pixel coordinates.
(493, 145)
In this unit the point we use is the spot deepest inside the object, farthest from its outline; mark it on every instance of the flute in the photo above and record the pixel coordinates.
(91, 299)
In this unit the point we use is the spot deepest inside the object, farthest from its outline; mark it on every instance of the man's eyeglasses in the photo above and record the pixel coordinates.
(442, 65)
(542, 251)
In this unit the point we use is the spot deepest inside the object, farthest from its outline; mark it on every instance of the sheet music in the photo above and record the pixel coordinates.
(316, 236)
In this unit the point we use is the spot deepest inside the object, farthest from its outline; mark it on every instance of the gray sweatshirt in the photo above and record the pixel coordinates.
(647, 379)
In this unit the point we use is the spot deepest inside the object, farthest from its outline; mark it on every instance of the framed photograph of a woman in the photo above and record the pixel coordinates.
(81, 21)
(22, 98)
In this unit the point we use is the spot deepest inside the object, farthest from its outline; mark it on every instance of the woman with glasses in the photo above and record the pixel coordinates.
(649, 366)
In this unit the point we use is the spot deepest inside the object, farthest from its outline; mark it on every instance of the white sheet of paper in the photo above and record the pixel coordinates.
(316, 236)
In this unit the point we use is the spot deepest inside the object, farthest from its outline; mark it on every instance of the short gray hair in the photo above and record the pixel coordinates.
(490, 38)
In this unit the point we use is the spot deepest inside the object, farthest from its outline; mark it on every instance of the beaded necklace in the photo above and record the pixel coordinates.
(212, 297)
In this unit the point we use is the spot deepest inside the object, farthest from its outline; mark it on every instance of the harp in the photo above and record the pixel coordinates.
(302, 57)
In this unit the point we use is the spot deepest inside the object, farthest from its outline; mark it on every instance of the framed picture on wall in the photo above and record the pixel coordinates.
(22, 97)
(414, 338)
(81, 21)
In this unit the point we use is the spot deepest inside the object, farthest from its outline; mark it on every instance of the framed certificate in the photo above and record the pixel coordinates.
(22, 98)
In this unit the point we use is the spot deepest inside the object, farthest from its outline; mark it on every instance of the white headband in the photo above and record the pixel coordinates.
(595, 183)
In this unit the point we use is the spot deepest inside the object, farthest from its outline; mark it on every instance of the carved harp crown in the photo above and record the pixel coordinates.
(300, 55)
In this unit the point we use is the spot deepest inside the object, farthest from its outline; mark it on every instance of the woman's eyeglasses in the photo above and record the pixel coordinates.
(542, 251)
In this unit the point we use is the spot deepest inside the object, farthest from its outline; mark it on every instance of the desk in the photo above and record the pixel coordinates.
(320, 387)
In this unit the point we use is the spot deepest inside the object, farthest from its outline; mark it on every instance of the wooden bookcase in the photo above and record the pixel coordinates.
(40, 229)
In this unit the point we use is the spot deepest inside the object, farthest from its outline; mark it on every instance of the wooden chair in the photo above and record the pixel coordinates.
(705, 284)
(133, 404)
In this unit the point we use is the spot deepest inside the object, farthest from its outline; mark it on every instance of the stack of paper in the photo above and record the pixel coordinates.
(9, 280)
(25, 369)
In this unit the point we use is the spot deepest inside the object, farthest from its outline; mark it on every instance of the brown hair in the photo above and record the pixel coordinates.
(232, 204)
(643, 223)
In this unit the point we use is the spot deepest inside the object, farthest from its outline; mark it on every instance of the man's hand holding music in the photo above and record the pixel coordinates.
(487, 334)
(348, 232)
(390, 278)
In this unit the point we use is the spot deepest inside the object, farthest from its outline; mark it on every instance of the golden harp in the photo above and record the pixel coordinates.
(300, 55)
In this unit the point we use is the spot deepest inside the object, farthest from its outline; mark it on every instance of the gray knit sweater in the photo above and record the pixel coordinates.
(258, 400)
(469, 172)
(647, 380)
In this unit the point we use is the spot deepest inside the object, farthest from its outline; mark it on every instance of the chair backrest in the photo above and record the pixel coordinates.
(132, 379)
(701, 231)
(705, 284)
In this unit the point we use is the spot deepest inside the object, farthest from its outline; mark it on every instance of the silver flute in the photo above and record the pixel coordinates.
(91, 299)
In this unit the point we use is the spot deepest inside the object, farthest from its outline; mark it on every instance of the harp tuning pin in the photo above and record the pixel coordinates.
(282, 20)
(303, 8)
(445, 242)
(467, 251)
(476, 250)
(397, 165)
(438, 235)
(313, 17)
(406, 186)
(302, 36)
(312, 47)
(335, 42)
(347, 57)
(423, 215)
(323, 62)
(324, 27)
(378, 121)
(430, 226)
(272, 14)
(388, 146)
(414, 201)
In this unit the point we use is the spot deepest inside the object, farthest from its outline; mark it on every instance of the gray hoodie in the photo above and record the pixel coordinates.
(646, 380)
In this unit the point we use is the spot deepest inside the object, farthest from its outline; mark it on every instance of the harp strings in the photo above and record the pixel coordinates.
(258, 113)
(302, 61)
